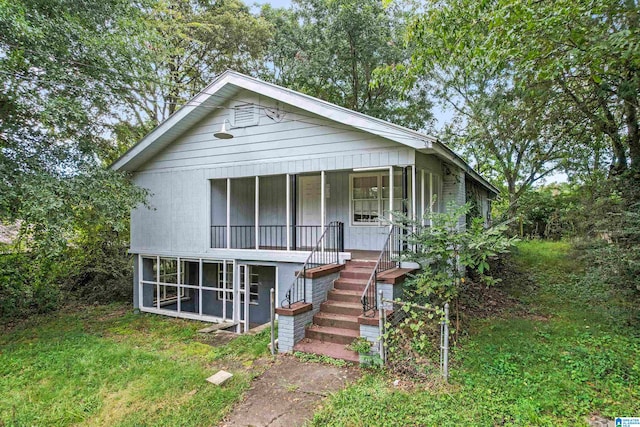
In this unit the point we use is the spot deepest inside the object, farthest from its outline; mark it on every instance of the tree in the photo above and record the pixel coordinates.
(514, 131)
(61, 65)
(188, 43)
(331, 49)
(514, 138)
(582, 56)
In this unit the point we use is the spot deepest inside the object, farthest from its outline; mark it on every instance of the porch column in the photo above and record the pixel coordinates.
(391, 196)
(288, 212)
(257, 212)
(422, 197)
(322, 205)
(322, 201)
(228, 213)
(414, 201)
(431, 194)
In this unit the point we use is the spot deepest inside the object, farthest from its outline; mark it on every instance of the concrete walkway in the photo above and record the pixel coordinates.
(288, 393)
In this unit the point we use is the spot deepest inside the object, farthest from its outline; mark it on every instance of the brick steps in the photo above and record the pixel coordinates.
(350, 284)
(332, 334)
(337, 351)
(356, 273)
(341, 307)
(336, 324)
(344, 295)
(336, 320)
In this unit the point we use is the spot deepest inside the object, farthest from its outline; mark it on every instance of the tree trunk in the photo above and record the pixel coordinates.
(633, 133)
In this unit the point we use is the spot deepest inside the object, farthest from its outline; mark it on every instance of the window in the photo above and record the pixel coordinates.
(225, 282)
(254, 286)
(370, 197)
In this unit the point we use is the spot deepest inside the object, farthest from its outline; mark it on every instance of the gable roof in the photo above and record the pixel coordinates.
(229, 82)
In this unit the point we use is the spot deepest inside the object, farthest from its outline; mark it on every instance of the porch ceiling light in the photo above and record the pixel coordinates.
(223, 133)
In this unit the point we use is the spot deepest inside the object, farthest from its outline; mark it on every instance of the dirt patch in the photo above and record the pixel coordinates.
(289, 392)
(478, 301)
(217, 339)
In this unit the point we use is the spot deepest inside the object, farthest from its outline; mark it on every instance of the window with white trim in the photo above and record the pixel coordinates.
(225, 282)
(370, 197)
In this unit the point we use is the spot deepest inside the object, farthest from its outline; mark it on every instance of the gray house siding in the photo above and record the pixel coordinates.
(188, 181)
(299, 135)
(177, 217)
(453, 190)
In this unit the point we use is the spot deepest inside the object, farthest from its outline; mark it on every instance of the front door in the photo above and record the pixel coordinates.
(309, 200)
(307, 232)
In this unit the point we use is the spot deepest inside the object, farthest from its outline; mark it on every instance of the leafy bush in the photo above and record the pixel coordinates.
(23, 288)
(102, 270)
(446, 251)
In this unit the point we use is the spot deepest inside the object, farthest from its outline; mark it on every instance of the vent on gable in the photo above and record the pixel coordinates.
(245, 115)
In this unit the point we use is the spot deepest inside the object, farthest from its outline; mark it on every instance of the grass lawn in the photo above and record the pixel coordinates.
(574, 356)
(108, 366)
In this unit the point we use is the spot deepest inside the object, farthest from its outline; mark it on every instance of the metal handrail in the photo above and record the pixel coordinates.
(326, 251)
(385, 262)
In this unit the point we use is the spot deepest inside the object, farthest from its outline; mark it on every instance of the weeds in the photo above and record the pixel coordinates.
(554, 370)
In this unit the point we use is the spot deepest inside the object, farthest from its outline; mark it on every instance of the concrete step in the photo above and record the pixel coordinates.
(344, 295)
(339, 307)
(351, 284)
(356, 273)
(361, 263)
(332, 334)
(336, 351)
(336, 320)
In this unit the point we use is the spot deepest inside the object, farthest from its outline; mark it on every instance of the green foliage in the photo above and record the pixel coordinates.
(73, 237)
(447, 249)
(552, 211)
(360, 345)
(187, 44)
(574, 359)
(319, 358)
(63, 66)
(330, 49)
(102, 365)
(583, 74)
(612, 230)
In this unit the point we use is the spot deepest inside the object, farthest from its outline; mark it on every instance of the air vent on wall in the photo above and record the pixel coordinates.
(245, 115)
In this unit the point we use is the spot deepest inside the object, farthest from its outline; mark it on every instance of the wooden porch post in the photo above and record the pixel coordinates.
(422, 197)
(288, 212)
(391, 196)
(414, 201)
(322, 201)
(228, 213)
(257, 212)
(322, 204)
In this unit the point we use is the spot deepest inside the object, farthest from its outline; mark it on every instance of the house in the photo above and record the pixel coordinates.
(256, 187)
